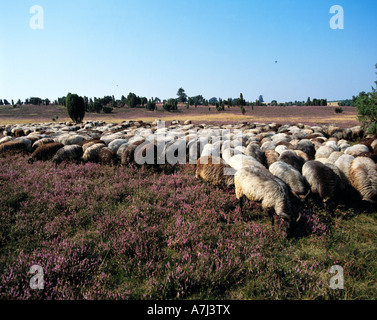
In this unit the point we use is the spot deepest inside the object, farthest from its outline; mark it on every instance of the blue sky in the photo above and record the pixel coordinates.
(217, 48)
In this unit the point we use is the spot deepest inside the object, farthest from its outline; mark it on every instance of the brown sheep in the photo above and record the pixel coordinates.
(13, 147)
(19, 133)
(215, 171)
(363, 177)
(293, 159)
(45, 152)
(107, 156)
(271, 156)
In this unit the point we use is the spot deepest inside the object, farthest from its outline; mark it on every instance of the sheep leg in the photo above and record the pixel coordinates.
(271, 215)
(241, 203)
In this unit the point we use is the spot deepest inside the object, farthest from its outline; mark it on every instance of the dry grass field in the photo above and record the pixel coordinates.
(266, 114)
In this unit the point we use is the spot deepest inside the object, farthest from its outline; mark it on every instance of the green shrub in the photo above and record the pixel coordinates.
(170, 105)
(75, 107)
(339, 110)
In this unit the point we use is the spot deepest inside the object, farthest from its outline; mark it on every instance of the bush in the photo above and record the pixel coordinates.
(338, 110)
(151, 106)
(366, 105)
(75, 107)
(170, 105)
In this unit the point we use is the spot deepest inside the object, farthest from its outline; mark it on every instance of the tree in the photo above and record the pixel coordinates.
(213, 101)
(260, 99)
(75, 107)
(6, 102)
(182, 96)
(241, 100)
(1, 102)
(274, 103)
(133, 100)
(308, 102)
(151, 105)
(366, 105)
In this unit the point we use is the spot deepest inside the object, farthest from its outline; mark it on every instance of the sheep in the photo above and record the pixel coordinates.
(271, 157)
(115, 144)
(14, 146)
(42, 142)
(344, 163)
(280, 149)
(215, 171)
(106, 156)
(45, 152)
(323, 152)
(68, 139)
(19, 133)
(256, 185)
(256, 152)
(356, 150)
(210, 150)
(69, 153)
(240, 161)
(335, 156)
(322, 181)
(91, 153)
(363, 177)
(292, 177)
(303, 155)
(306, 146)
(293, 159)
(128, 155)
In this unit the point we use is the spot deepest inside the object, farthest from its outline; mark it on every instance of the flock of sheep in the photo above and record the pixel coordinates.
(268, 163)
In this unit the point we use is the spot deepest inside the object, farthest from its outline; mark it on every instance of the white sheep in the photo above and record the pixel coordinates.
(292, 177)
(257, 185)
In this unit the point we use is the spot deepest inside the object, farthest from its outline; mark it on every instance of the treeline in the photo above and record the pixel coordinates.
(107, 104)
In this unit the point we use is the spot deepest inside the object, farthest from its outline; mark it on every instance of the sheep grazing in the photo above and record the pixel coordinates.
(70, 153)
(45, 152)
(256, 152)
(91, 153)
(107, 157)
(42, 142)
(363, 177)
(215, 171)
(257, 185)
(240, 161)
(13, 147)
(271, 157)
(128, 155)
(357, 150)
(344, 163)
(290, 157)
(322, 181)
(292, 177)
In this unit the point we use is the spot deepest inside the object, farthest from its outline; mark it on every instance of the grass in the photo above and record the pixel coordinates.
(307, 115)
(104, 232)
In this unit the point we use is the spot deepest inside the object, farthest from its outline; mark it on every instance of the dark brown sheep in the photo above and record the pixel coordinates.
(19, 133)
(13, 147)
(107, 157)
(293, 159)
(45, 152)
